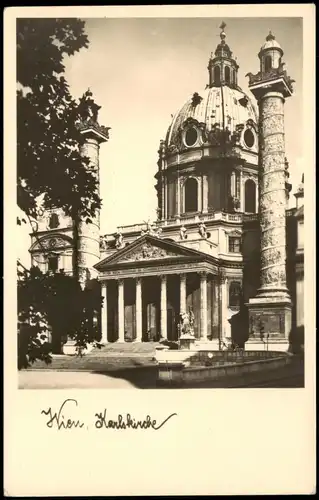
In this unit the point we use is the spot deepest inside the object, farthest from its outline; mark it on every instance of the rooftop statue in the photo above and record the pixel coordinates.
(88, 109)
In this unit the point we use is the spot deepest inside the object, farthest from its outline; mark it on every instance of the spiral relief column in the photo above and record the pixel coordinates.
(272, 201)
(88, 245)
(270, 310)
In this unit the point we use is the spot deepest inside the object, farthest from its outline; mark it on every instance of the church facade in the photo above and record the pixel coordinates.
(225, 245)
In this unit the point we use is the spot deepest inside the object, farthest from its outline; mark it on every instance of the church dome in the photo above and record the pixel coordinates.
(220, 114)
(221, 106)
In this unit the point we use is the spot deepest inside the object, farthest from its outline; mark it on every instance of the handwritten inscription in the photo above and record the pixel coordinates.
(59, 420)
(62, 419)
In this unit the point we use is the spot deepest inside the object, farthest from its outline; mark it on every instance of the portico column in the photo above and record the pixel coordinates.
(104, 313)
(164, 307)
(203, 306)
(121, 310)
(138, 309)
(225, 325)
(182, 306)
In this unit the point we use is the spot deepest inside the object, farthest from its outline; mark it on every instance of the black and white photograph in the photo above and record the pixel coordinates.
(159, 180)
(160, 184)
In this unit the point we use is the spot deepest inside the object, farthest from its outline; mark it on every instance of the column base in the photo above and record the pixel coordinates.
(269, 319)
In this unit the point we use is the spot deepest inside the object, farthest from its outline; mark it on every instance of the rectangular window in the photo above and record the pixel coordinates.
(234, 245)
(53, 263)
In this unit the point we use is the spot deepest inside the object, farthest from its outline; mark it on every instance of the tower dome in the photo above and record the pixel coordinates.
(271, 43)
(270, 54)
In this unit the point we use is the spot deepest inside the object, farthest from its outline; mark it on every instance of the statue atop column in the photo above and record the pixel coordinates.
(88, 109)
(88, 112)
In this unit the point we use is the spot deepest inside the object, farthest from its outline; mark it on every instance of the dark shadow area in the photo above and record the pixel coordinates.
(142, 377)
(239, 324)
(297, 339)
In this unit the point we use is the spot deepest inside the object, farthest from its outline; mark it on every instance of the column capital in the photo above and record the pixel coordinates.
(182, 276)
(203, 274)
(120, 281)
(163, 277)
(222, 277)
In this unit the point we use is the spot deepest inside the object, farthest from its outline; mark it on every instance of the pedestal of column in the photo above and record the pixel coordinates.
(138, 309)
(164, 307)
(104, 314)
(203, 306)
(270, 310)
(121, 311)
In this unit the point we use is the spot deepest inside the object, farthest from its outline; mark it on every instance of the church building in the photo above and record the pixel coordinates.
(225, 245)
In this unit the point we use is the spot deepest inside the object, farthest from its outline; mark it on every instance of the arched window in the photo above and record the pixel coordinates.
(54, 221)
(234, 294)
(267, 63)
(227, 74)
(217, 75)
(233, 72)
(191, 195)
(250, 196)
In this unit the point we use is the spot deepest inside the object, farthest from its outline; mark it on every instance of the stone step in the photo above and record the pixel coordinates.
(125, 347)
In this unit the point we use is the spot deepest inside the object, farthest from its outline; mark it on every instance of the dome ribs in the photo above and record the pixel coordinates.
(208, 110)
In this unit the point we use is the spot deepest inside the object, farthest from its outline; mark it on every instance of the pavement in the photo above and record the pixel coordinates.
(111, 368)
(70, 380)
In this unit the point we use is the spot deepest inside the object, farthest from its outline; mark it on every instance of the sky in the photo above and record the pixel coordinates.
(142, 70)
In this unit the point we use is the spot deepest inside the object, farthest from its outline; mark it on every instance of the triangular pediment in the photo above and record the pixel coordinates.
(148, 248)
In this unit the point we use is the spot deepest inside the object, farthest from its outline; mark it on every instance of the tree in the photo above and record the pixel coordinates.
(53, 307)
(49, 162)
(50, 165)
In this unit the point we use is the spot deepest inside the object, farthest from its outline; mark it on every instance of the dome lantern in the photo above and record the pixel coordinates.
(222, 67)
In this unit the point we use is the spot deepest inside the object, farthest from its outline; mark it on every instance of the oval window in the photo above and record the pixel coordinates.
(249, 138)
(191, 136)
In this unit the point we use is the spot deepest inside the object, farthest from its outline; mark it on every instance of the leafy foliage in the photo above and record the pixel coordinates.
(49, 141)
(50, 165)
(54, 303)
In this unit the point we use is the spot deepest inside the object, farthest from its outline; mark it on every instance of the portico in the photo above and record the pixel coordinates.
(147, 285)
